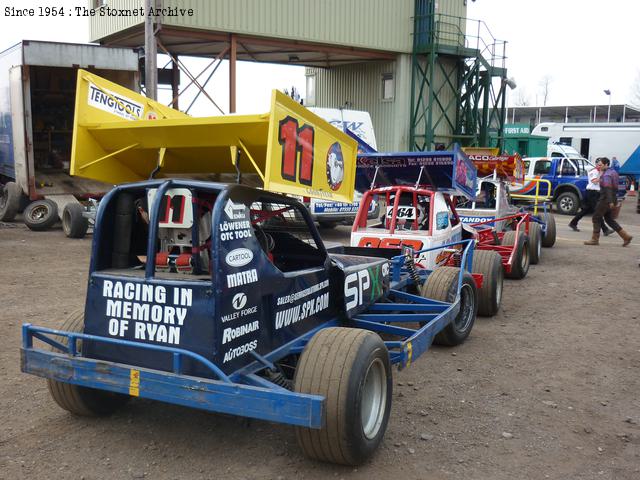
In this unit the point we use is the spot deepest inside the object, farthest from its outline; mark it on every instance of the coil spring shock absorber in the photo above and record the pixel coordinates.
(410, 263)
(279, 379)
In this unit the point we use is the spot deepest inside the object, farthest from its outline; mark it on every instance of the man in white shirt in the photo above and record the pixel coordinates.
(590, 199)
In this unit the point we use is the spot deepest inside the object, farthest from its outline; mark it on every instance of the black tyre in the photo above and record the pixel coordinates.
(442, 285)
(10, 199)
(74, 224)
(549, 237)
(40, 215)
(567, 203)
(521, 259)
(535, 242)
(350, 367)
(327, 225)
(489, 264)
(87, 402)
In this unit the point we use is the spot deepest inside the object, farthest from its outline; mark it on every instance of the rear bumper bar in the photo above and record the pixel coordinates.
(259, 401)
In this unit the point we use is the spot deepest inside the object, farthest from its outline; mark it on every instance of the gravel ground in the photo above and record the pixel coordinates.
(549, 388)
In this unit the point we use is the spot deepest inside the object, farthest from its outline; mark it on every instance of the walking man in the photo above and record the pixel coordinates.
(606, 202)
(590, 199)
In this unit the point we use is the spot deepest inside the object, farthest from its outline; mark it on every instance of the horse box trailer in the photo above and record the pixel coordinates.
(37, 97)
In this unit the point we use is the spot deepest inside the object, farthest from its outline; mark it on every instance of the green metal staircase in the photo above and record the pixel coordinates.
(458, 82)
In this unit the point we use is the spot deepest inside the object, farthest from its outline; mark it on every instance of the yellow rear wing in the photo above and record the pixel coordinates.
(121, 136)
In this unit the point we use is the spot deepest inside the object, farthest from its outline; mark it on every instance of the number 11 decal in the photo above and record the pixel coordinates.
(294, 140)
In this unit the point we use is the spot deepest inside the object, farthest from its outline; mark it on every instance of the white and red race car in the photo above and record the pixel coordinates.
(417, 192)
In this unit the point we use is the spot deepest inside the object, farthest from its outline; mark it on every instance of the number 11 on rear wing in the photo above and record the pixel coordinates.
(121, 136)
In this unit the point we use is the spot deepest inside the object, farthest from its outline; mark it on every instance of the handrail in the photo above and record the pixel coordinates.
(441, 27)
(536, 197)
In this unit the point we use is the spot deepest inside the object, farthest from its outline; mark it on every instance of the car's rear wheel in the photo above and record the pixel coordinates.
(83, 401)
(549, 236)
(442, 285)
(350, 368)
(489, 264)
(535, 242)
(521, 259)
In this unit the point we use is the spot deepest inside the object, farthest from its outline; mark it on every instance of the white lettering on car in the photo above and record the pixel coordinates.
(242, 278)
(234, 332)
(300, 312)
(355, 293)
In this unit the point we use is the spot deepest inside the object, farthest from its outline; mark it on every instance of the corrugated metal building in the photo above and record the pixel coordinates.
(384, 88)
(359, 54)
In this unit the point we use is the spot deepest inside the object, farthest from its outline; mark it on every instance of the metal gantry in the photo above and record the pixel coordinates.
(458, 82)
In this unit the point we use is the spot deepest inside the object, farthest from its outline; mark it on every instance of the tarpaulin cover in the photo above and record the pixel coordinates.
(632, 165)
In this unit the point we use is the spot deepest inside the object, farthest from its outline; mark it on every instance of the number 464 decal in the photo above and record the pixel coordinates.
(297, 151)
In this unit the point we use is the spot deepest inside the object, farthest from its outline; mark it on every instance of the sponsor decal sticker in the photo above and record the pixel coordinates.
(335, 166)
(239, 314)
(239, 351)
(239, 301)
(355, 285)
(239, 257)
(239, 304)
(298, 313)
(235, 230)
(442, 220)
(114, 103)
(232, 333)
(475, 219)
(239, 279)
(365, 285)
(335, 207)
(234, 211)
(294, 297)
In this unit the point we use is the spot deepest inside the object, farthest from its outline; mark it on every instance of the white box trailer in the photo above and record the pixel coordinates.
(594, 140)
(37, 97)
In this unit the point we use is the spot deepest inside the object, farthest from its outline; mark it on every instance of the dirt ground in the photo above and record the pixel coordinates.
(549, 388)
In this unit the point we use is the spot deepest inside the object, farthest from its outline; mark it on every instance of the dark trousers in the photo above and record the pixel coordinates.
(602, 215)
(588, 206)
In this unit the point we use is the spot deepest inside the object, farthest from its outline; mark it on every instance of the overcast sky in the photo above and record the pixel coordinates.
(584, 46)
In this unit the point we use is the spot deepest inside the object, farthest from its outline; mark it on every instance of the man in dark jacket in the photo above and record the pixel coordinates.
(590, 200)
(606, 202)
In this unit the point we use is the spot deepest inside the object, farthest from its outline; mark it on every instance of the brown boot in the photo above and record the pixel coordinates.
(625, 237)
(595, 239)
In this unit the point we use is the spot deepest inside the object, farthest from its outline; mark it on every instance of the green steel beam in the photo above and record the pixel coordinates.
(479, 109)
